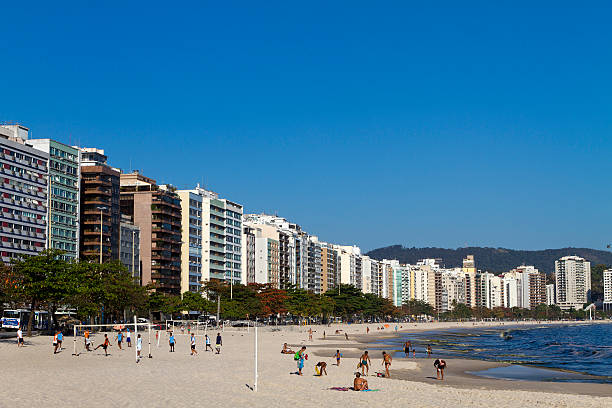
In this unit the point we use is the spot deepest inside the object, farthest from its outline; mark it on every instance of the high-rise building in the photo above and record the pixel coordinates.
(607, 289)
(100, 209)
(248, 254)
(489, 290)
(267, 261)
(573, 282)
(550, 294)
(63, 195)
(329, 267)
(530, 286)
(23, 207)
(129, 247)
(191, 249)
(156, 210)
(469, 269)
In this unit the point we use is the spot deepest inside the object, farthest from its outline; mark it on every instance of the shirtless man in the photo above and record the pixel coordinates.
(407, 349)
(387, 362)
(310, 334)
(360, 384)
(365, 361)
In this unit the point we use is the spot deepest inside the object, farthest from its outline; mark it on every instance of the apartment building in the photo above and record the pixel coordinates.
(99, 208)
(248, 254)
(469, 269)
(573, 282)
(191, 241)
(23, 209)
(329, 267)
(156, 210)
(63, 194)
(607, 289)
(129, 247)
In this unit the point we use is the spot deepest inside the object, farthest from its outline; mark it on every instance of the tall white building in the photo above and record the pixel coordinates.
(550, 294)
(607, 289)
(573, 282)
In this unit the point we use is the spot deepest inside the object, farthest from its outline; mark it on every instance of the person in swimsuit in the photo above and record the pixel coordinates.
(407, 349)
(364, 361)
(360, 384)
(338, 355)
(440, 366)
(322, 367)
(387, 362)
(428, 350)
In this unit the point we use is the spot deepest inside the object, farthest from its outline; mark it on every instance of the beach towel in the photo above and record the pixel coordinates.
(340, 389)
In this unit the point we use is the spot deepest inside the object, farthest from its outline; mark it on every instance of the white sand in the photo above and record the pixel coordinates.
(33, 376)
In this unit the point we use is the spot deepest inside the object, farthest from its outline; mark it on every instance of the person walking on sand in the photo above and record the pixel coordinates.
(300, 359)
(19, 338)
(387, 362)
(207, 341)
(104, 345)
(365, 361)
(338, 355)
(219, 343)
(138, 347)
(440, 366)
(171, 342)
(193, 344)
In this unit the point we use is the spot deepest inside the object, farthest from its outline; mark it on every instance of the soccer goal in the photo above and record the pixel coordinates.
(88, 336)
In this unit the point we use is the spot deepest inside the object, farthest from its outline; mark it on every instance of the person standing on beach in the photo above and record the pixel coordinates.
(219, 343)
(387, 362)
(207, 341)
(19, 337)
(364, 361)
(119, 339)
(367, 330)
(171, 342)
(87, 340)
(440, 366)
(138, 347)
(55, 344)
(338, 355)
(300, 359)
(60, 339)
(310, 334)
(193, 344)
(128, 338)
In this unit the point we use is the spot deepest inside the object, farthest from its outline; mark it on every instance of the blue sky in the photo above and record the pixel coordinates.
(414, 123)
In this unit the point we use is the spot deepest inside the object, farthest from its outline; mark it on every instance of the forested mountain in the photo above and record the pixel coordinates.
(492, 259)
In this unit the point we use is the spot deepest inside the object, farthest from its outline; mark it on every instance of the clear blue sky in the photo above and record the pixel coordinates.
(374, 123)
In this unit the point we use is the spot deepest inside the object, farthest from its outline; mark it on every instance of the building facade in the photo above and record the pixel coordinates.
(191, 247)
(23, 208)
(156, 210)
(129, 247)
(99, 207)
(573, 282)
(607, 289)
(63, 193)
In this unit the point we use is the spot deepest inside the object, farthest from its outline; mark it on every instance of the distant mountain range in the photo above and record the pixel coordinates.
(492, 259)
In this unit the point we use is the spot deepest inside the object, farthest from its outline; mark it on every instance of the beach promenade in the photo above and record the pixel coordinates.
(33, 375)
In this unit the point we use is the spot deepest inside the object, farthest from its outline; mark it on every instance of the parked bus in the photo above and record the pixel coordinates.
(16, 318)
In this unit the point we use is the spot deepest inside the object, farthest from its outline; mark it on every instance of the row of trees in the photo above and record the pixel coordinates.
(107, 292)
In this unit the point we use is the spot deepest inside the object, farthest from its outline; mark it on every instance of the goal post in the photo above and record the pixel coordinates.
(109, 329)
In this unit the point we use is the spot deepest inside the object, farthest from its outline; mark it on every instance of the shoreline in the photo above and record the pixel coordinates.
(461, 372)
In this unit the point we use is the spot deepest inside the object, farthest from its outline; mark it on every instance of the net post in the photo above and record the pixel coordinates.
(75, 336)
(255, 384)
(150, 356)
(136, 338)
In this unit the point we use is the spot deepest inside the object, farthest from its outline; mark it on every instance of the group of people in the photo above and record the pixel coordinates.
(192, 341)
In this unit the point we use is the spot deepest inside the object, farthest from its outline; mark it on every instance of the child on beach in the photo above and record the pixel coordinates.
(338, 355)
(300, 359)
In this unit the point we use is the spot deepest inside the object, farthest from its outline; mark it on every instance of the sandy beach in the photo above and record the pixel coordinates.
(34, 375)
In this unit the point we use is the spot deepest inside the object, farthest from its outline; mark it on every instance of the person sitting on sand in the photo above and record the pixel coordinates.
(322, 367)
(364, 361)
(387, 362)
(360, 384)
(286, 350)
(440, 366)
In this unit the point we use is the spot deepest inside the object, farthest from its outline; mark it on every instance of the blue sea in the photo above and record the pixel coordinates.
(584, 348)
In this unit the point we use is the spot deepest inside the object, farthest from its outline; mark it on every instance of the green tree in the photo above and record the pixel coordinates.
(461, 311)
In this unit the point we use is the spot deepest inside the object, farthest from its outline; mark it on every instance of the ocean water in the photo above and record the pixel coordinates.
(585, 348)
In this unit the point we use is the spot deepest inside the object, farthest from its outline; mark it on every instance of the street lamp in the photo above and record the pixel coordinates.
(101, 228)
